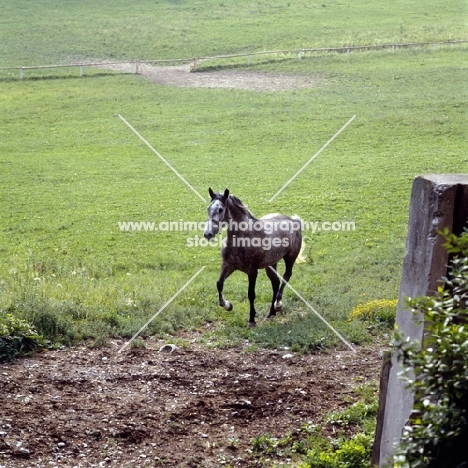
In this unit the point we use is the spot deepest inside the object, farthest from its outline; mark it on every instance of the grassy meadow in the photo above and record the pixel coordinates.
(71, 170)
(42, 32)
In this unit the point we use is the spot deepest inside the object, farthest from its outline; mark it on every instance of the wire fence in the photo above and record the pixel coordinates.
(301, 53)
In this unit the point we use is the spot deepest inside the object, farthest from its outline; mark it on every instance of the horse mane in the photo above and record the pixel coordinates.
(236, 206)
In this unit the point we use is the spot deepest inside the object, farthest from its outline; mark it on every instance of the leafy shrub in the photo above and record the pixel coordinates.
(52, 320)
(270, 445)
(351, 453)
(17, 337)
(437, 433)
(345, 452)
(379, 311)
(355, 452)
(354, 415)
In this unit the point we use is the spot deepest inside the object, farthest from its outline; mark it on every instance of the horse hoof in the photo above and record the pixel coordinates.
(228, 306)
(278, 306)
(252, 324)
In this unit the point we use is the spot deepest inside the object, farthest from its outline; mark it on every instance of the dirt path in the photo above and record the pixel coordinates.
(232, 79)
(191, 408)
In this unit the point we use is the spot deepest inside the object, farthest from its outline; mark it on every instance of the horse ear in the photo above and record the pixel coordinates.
(226, 193)
(212, 194)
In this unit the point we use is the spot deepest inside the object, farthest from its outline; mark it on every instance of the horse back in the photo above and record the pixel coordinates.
(276, 237)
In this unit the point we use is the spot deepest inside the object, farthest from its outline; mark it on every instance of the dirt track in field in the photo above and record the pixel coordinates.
(183, 76)
(194, 407)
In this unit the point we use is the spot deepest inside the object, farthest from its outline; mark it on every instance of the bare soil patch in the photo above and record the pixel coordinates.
(182, 76)
(195, 407)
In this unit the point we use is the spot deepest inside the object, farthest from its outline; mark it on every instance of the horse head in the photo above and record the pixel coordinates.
(217, 213)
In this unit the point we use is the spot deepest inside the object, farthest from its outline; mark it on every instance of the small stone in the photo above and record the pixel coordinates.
(24, 398)
(168, 348)
(21, 452)
(288, 356)
(61, 444)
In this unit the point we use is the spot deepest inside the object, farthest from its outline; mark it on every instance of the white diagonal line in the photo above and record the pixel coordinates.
(347, 343)
(312, 158)
(165, 161)
(162, 308)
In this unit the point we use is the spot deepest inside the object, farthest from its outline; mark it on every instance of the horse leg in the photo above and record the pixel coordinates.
(252, 281)
(286, 277)
(226, 270)
(275, 282)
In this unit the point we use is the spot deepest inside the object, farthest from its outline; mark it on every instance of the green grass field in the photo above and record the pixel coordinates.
(44, 32)
(71, 169)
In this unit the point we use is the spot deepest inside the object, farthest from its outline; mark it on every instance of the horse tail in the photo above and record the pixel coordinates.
(301, 257)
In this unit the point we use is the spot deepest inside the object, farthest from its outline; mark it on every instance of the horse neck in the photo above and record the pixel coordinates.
(238, 214)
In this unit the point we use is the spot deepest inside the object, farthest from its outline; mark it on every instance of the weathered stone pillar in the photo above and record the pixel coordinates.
(437, 201)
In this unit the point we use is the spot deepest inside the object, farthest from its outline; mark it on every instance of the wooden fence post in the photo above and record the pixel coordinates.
(437, 201)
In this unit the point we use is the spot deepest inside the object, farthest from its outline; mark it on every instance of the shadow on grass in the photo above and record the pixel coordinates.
(303, 333)
(204, 67)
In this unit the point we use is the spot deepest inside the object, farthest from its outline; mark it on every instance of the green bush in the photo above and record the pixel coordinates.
(344, 452)
(17, 337)
(437, 433)
(53, 320)
(355, 414)
(351, 453)
(379, 312)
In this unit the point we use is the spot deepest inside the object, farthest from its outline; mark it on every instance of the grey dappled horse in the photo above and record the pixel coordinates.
(253, 243)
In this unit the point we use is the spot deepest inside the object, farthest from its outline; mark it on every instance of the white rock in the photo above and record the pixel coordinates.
(168, 348)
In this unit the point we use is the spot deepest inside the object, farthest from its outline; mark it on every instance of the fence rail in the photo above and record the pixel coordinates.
(299, 52)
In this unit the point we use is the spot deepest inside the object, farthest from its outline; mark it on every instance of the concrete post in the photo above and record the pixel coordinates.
(437, 201)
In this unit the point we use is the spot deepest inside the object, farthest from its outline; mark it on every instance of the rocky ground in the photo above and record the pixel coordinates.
(193, 407)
